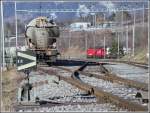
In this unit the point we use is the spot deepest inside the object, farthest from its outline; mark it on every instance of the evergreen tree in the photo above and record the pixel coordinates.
(114, 50)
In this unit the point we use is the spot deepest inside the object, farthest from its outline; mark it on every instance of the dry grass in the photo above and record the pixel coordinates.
(10, 83)
(140, 56)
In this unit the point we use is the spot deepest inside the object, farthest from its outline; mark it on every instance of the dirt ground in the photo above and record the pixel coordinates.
(10, 84)
(73, 52)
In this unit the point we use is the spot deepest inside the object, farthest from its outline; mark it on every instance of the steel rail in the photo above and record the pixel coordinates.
(32, 105)
(137, 64)
(119, 80)
(112, 78)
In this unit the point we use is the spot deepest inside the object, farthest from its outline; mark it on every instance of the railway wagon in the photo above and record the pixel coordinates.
(41, 36)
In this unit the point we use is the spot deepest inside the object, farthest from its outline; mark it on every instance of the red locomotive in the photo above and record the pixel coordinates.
(91, 53)
(96, 52)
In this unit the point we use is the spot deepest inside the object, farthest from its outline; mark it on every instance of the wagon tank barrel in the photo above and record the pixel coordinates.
(41, 37)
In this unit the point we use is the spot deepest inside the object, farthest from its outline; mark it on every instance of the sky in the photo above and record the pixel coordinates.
(83, 8)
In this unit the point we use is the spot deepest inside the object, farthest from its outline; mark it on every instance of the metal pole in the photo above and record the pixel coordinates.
(104, 17)
(28, 89)
(2, 35)
(122, 23)
(85, 41)
(118, 46)
(104, 41)
(2, 49)
(94, 43)
(133, 41)
(127, 38)
(69, 41)
(95, 20)
(143, 15)
(69, 38)
(16, 25)
(68, 10)
(148, 30)
(104, 45)
(27, 1)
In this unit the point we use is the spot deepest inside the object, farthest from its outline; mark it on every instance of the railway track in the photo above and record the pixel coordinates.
(112, 78)
(113, 61)
(100, 94)
(106, 96)
(56, 94)
(142, 65)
